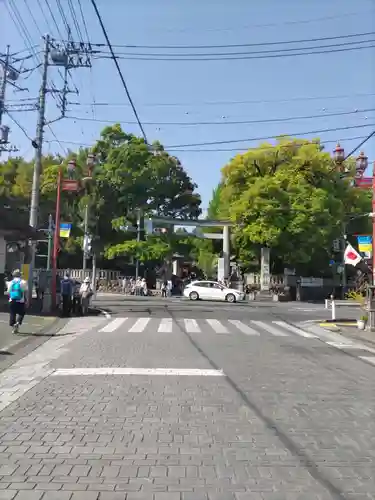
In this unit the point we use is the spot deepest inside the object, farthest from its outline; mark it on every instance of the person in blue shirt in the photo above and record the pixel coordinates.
(17, 291)
(66, 295)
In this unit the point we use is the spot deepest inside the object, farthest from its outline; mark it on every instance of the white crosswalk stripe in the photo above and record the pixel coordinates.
(191, 326)
(166, 325)
(139, 325)
(243, 328)
(217, 326)
(294, 329)
(113, 325)
(270, 329)
(251, 328)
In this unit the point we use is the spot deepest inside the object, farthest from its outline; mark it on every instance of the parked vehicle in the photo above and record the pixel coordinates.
(212, 290)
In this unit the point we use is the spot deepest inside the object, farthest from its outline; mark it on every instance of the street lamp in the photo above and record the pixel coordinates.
(339, 155)
(361, 164)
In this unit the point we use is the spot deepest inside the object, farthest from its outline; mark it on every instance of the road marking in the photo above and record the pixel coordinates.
(138, 371)
(139, 325)
(369, 359)
(271, 329)
(243, 328)
(191, 326)
(293, 329)
(217, 326)
(165, 325)
(113, 325)
(341, 345)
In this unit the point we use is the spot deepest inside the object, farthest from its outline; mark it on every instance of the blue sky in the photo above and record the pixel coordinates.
(206, 91)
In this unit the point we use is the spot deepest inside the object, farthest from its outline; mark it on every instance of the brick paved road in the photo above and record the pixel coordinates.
(291, 419)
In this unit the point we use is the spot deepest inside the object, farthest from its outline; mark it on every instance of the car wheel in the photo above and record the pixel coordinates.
(193, 296)
(230, 298)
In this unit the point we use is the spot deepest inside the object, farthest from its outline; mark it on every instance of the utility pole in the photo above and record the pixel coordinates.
(85, 237)
(35, 190)
(4, 84)
(34, 206)
(140, 224)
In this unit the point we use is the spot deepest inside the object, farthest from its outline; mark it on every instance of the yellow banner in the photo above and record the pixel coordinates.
(25, 271)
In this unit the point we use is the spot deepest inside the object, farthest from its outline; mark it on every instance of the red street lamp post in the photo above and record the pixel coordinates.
(56, 238)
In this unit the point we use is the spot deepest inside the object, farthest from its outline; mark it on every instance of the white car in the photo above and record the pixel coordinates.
(211, 290)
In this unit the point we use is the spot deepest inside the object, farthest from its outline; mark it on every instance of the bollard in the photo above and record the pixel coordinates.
(333, 310)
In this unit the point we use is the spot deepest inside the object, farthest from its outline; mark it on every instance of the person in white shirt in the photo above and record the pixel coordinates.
(17, 291)
(85, 293)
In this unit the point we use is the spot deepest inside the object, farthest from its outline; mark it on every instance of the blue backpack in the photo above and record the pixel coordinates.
(15, 292)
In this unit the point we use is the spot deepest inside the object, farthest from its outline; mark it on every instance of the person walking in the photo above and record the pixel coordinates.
(85, 293)
(66, 294)
(17, 290)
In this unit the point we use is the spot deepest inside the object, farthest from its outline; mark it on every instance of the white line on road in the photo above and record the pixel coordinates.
(191, 326)
(293, 329)
(139, 371)
(217, 326)
(113, 325)
(139, 325)
(243, 328)
(369, 359)
(271, 329)
(165, 325)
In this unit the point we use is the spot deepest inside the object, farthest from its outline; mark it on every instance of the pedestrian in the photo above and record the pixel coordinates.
(17, 290)
(85, 293)
(66, 294)
(164, 287)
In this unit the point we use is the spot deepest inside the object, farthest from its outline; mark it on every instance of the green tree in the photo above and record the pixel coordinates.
(290, 198)
(133, 176)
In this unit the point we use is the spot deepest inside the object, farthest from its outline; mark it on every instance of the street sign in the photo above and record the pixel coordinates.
(70, 185)
(363, 183)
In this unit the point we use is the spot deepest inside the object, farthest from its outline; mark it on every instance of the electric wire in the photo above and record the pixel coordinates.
(228, 122)
(93, 2)
(226, 103)
(235, 58)
(217, 54)
(252, 139)
(237, 45)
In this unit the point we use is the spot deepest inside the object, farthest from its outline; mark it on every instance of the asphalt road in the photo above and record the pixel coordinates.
(294, 312)
(229, 403)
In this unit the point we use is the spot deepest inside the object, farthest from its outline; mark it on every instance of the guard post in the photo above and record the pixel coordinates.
(371, 308)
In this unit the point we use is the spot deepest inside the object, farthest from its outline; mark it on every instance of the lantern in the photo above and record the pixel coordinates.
(90, 162)
(339, 153)
(361, 164)
(71, 169)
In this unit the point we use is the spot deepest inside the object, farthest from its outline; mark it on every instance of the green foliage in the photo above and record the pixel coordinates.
(129, 176)
(288, 197)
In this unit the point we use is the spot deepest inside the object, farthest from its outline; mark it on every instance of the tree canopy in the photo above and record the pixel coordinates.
(128, 176)
(288, 197)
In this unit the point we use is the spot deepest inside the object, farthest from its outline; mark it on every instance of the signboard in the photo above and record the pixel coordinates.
(65, 230)
(70, 185)
(363, 183)
(265, 277)
(365, 245)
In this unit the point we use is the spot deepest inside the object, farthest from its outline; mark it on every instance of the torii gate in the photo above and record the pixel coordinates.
(225, 236)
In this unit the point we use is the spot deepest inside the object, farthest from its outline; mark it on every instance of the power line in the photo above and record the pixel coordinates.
(360, 144)
(216, 150)
(289, 134)
(225, 103)
(253, 52)
(229, 122)
(16, 122)
(267, 25)
(238, 58)
(237, 45)
(119, 69)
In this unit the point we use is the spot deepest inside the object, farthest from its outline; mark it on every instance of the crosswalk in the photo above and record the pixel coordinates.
(251, 328)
